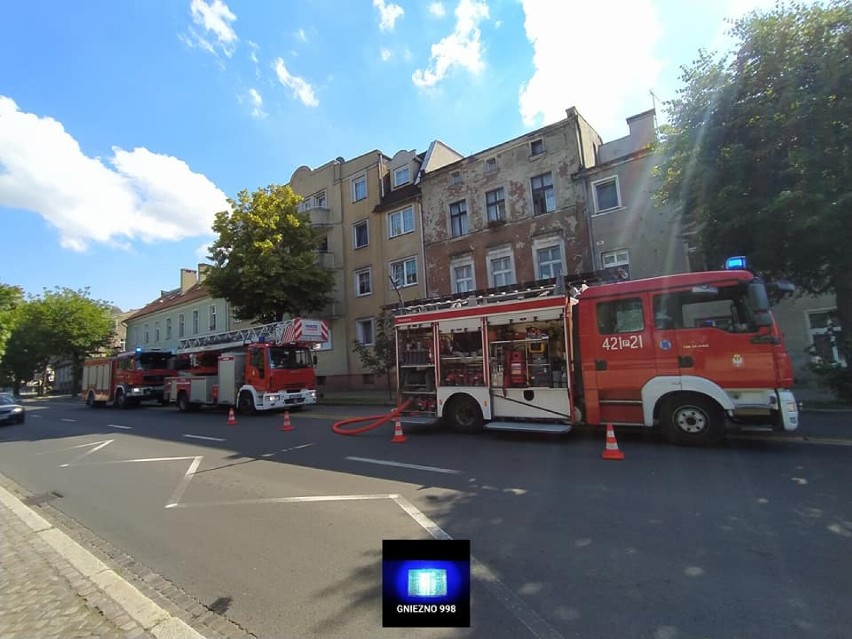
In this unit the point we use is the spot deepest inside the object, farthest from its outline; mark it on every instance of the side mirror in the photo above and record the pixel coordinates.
(782, 287)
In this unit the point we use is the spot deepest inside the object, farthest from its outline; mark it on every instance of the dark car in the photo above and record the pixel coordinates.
(11, 412)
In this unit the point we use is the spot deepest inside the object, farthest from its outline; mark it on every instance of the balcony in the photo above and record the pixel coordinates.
(334, 310)
(327, 260)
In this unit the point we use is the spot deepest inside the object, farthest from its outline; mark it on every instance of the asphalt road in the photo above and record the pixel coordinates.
(752, 539)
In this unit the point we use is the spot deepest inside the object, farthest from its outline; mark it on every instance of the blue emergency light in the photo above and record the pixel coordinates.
(736, 263)
(138, 349)
(427, 582)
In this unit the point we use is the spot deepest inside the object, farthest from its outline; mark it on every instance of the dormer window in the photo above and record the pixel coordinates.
(401, 176)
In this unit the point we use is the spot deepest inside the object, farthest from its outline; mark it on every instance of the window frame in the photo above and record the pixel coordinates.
(464, 262)
(368, 271)
(501, 204)
(544, 244)
(544, 190)
(490, 166)
(211, 316)
(500, 254)
(168, 328)
(404, 261)
(603, 181)
(396, 182)
(355, 181)
(401, 214)
(355, 226)
(539, 142)
(461, 216)
(359, 333)
(196, 322)
(181, 325)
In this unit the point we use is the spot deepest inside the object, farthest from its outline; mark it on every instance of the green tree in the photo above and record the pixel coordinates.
(757, 153)
(265, 257)
(380, 357)
(11, 299)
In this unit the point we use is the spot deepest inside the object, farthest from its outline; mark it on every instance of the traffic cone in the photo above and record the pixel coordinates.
(611, 451)
(231, 419)
(286, 425)
(398, 437)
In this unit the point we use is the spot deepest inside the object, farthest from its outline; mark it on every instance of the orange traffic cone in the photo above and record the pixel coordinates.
(286, 425)
(231, 419)
(398, 437)
(611, 451)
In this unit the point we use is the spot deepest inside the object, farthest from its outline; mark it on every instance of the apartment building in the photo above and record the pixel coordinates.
(511, 213)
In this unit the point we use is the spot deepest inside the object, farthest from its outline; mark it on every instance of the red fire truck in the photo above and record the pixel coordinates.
(127, 379)
(255, 369)
(686, 352)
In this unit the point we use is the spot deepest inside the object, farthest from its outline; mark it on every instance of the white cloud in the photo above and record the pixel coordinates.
(585, 70)
(301, 35)
(136, 194)
(257, 104)
(389, 13)
(462, 48)
(437, 9)
(215, 18)
(385, 54)
(301, 89)
(254, 48)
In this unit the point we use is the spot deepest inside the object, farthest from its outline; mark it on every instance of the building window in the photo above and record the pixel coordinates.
(156, 331)
(824, 328)
(404, 272)
(455, 177)
(181, 325)
(544, 200)
(359, 189)
(147, 334)
(401, 176)
(549, 261)
(363, 282)
(462, 275)
(491, 165)
(135, 335)
(212, 318)
(360, 234)
(320, 201)
(616, 264)
(195, 322)
(364, 331)
(401, 222)
(168, 328)
(495, 205)
(458, 219)
(536, 147)
(501, 270)
(607, 196)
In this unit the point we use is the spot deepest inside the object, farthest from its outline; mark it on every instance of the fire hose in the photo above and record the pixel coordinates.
(337, 427)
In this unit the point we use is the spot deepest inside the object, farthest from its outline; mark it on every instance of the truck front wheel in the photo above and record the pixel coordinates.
(464, 415)
(120, 399)
(246, 404)
(689, 419)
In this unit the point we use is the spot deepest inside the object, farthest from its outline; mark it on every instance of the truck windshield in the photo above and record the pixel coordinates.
(290, 357)
(728, 308)
(151, 361)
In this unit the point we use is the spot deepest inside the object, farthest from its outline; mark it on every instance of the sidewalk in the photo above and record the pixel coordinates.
(51, 587)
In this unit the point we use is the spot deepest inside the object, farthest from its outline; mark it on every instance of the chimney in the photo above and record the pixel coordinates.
(642, 129)
(188, 279)
(203, 269)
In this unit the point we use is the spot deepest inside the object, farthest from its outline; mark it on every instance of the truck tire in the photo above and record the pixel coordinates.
(689, 419)
(183, 402)
(464, 415)
(245, 404)
(120, 399)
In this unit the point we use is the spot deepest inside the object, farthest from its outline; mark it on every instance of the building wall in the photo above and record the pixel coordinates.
(509, 166)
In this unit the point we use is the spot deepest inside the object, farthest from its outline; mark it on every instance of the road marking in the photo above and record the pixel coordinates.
(383, 462)
(36, 416)
(523, 613)
(65, 419)
(205, 438)
(286, 450)
(283, 500)
(136, 461)
(181, 487)
(120, 426)
(97, 446)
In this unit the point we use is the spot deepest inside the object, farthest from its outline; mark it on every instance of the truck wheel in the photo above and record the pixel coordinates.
(120, 399)
(182, 402)
(689, 419)
(246, 404)
(464, 415)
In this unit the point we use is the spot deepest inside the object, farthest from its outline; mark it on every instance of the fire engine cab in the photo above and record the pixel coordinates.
(688, 353)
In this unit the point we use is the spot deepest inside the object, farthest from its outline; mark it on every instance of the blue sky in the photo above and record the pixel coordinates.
(125, 125)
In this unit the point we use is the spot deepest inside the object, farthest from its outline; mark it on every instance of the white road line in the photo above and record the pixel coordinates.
(120, 426)
(65, 419)
(382, 462)
(181, 487)
(136, 461)
(205, 438)
(286, 450)
(523, 613)
(283, 500)
(97, 446)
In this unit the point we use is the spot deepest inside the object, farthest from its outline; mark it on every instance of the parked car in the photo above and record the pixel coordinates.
(11, 412)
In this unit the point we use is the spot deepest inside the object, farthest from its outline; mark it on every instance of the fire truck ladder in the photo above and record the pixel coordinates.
(272, 333)
(539, 288)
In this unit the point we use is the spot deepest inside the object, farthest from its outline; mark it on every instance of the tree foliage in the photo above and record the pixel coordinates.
(11, 299)
(380, 357)
(265, 259)
(757, 153)
(62, 324)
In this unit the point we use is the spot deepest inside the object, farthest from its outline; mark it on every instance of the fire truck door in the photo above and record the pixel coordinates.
(622, 357)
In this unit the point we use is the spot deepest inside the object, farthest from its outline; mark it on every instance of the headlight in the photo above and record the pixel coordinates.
(17, 409)
(272, 398)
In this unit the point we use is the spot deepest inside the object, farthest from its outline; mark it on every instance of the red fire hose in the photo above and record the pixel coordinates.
(337, 427)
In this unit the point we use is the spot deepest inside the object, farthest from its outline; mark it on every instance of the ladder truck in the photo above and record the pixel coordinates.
(253, 369)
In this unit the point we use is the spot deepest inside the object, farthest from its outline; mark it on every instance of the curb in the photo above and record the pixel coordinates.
(140, 608)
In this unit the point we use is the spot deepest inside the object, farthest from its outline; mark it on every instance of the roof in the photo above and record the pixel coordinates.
(171, 299)
(398, 196)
